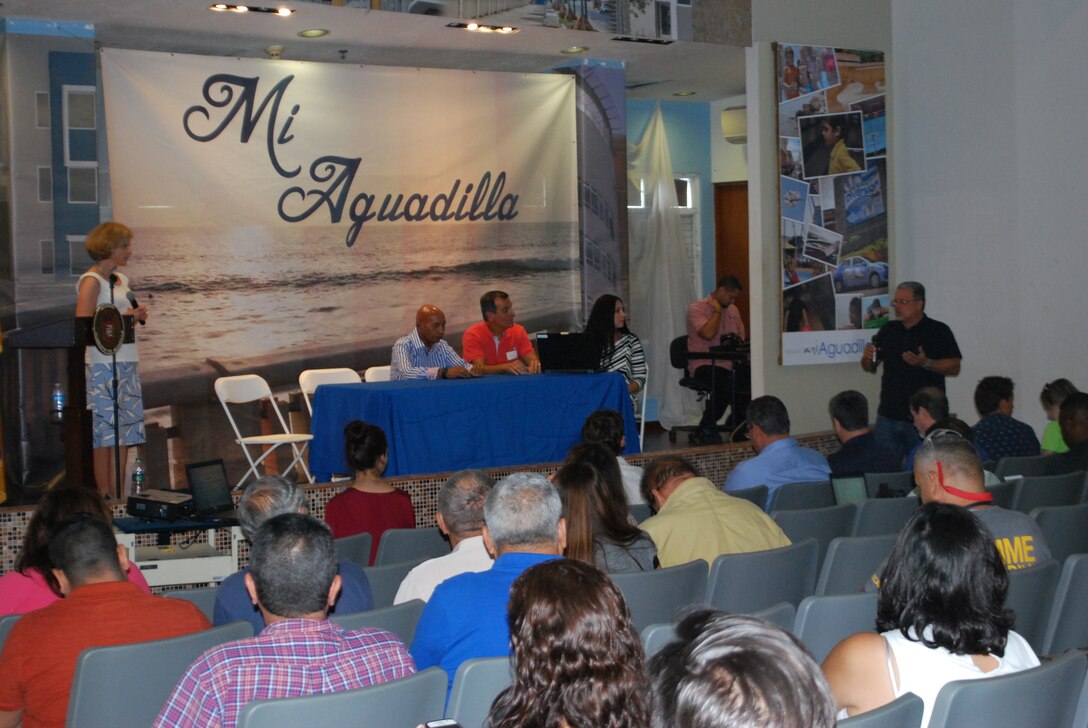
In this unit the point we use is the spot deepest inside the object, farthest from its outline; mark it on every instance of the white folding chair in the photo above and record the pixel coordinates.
(643, 395)
(378, 374)
(311, 379)
(248, 388)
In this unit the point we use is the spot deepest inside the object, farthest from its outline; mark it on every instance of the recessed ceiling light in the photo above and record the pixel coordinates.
(684, 93)
(575, 49)
(283, 12)
(481, 28)
(313, 33)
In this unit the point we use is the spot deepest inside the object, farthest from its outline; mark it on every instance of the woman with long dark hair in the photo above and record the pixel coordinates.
(941, 616)
(621, 351)
(578, 661)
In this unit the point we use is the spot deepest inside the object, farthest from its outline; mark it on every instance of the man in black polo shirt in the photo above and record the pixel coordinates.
(916, 352)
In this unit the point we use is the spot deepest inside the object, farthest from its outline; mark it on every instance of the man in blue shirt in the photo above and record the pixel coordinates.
(997, 432)
(779, 458)
(423, 354)
(466, 615)
(861, 452)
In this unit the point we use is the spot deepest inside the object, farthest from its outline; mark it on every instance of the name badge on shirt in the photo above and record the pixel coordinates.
(511, 355)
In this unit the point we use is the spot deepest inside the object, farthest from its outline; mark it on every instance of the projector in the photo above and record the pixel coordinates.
(167, 505)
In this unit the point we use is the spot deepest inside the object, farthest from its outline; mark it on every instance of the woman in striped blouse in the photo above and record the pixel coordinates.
(621, 351)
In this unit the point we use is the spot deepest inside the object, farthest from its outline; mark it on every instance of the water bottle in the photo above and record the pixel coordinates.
(58, 401)
(138, 475)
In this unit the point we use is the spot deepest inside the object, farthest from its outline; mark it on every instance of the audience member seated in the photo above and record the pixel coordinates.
(947, 470)
(695, 520)
(293, 581)
(466, 615)
(263, 499)
(101, 607)
(928, 406)
(997, 432)
(601, 457)
(733, 670)
(941, 617)
(497, 345)
(461, 517)
(1073, 419)
(424, 354)
(779, 459)
(861, 452)
(1052, 396)
(578, 660)
(598, 529)
(32, 584)
(621, 351)
(605, 427)
(369, 504)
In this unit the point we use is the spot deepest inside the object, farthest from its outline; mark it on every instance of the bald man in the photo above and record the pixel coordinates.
(423, 354)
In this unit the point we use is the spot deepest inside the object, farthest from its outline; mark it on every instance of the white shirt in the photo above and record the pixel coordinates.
(469, 555)
(632, 476)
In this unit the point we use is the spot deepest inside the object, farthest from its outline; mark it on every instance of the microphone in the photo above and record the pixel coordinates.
(113, 279)
(132, 299)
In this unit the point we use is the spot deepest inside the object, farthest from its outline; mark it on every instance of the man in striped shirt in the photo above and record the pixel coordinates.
(423, 354)
(292, 578)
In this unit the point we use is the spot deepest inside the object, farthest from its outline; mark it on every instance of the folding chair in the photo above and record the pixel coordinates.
(476, 684)
(311, 379)
(743, 583)
(796, 496)
(406, 544)
(378, 374)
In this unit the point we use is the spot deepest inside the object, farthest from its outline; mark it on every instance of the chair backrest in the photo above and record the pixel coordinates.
(400, 619)
(640, 511)
(405, 544)
(385, 580)
(656, 636)
(903, 712)
(896, 484)
(475, 686)
(643, 397)
(795, 496)
(822, 524)
(782, 614)
(1081, 718)
(678, 353)
(242, 389)
(654, 596)
(6, 623)
(1066, 626)
(1037, 491)
(851, 562)
(849, 489)
(378, 374)
(1065, 529)
(311, 379)
(1045, 695)
(403, 703)
(1026, 465)
(203, 598)
(1002, 493)
(354, 548)
(822, 622)
(744, 583)
(1031, 593)
(884, 516)
(129, 684)
(756, 494)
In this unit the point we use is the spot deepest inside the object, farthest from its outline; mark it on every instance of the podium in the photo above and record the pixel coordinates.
(73, 335)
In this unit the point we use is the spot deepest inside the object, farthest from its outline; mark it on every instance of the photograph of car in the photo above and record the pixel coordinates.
(824, 251)
(859, 272)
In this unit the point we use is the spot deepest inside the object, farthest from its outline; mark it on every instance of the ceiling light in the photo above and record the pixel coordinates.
(575, 49)
(283, 12)
(313, 33)
(480, 28)
(684, 93)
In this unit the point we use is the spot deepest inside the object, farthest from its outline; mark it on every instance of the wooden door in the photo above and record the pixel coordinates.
(731, 240)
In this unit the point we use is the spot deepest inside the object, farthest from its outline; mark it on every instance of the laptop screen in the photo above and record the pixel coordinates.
(211, 490)
(568, 352)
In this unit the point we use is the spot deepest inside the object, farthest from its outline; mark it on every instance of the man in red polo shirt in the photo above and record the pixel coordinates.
(100, 608)
(497, 345)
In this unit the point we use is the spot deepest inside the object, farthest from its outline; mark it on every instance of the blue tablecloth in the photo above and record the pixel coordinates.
(445, 425)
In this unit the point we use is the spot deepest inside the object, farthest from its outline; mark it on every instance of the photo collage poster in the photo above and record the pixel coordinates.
(833, 200)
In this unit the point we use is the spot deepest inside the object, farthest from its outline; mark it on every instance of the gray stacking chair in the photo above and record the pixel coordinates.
(900, 483)
(1038, 491)
(405, 544)
(640, 511)
(1067, 627)
(1065, 529)
(1031, 593)
(782, 614)
(793, 496)
(1081, 719)
(127, 685)
(903, 712)
(403, 703)
(475, 686)
(822, 524)
(851, 562)
(744, 583)
(884, 516)
(6, 623)
(654, 596)
(1043, 696)
(656, 636)
(385, 580)
(1026, 465)
(1002, 493)
(354, 548)
(823, 622)
(400, 619)
(203, 598)
(756, 494)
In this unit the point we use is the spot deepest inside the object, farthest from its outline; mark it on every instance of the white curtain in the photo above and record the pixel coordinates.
(661, 286)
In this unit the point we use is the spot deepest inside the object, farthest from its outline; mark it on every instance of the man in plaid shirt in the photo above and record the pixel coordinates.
(293, 580)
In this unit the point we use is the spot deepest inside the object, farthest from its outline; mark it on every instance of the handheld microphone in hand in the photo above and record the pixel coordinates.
(132, 299)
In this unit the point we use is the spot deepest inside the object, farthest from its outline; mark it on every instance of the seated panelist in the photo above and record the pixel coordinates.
(497, 345)
(423, 354)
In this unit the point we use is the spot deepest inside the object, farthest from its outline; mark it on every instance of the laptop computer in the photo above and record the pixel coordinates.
(568, 351)
(211, 491)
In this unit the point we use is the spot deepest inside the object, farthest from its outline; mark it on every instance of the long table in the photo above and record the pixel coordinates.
(443, 425)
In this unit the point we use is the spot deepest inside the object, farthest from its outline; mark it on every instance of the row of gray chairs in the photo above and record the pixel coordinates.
(396, 546)
(875, 517)
(1039, 491)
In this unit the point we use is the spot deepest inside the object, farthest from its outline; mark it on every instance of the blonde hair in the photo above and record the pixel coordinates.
(105, 238)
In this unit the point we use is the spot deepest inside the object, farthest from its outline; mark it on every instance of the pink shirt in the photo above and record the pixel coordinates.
(698, 314)
(21, 593)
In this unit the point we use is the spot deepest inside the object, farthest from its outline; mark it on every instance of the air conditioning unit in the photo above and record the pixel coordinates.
(735, 125)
